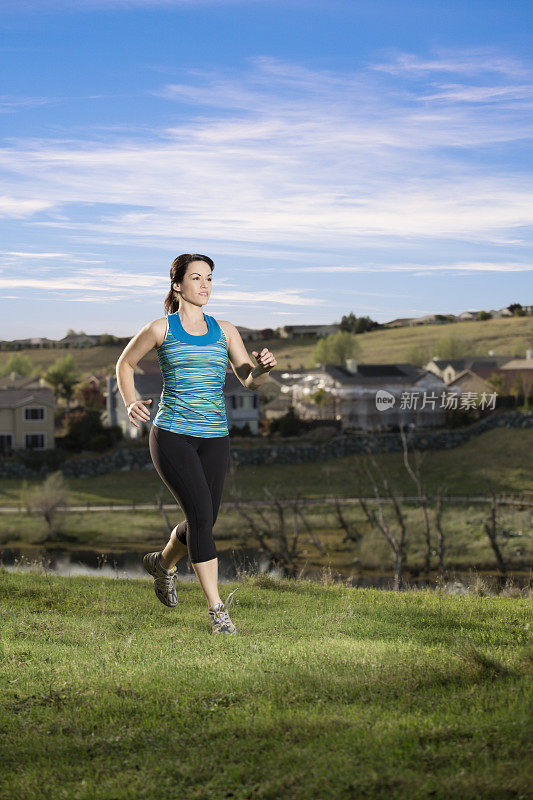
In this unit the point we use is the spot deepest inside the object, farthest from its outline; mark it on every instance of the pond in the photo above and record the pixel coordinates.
(231, 563)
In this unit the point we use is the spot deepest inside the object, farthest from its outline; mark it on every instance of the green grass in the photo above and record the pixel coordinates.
(327, 692)
(503, 455)
(142, 531)
(389, 345)
(504, 336)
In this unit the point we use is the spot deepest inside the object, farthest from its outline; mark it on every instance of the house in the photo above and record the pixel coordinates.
(449, 369)
(518, 375)
(42, 342)
(400, 322)
(26, 414)
(280, 385)
(470, 381)
(432, 319)
(355, 394)
(293, 331)
(242, 405)
(247, 333)
(78, 340)
(15, 344)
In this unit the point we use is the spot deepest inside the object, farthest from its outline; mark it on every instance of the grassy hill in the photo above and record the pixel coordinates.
(505, 336)
(502, 455)
(326, 692)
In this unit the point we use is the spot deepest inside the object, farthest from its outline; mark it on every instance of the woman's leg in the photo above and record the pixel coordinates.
(214, 454)
(175, 549)
(175, 457)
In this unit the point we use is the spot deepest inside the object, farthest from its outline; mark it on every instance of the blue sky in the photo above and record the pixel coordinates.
(331, 157)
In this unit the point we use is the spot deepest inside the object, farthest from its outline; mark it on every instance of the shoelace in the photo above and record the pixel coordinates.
(221, 614)
(167, 582)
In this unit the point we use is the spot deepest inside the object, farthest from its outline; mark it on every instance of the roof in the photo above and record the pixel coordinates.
(370, 373)
(519, 363)
(13, 398)
(474, 362)
(19, 382)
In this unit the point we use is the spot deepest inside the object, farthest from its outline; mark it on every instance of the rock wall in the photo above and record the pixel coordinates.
(125, 459)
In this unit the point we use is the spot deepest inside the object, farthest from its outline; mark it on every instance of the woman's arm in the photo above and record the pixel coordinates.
(251, 376)
(149, 336)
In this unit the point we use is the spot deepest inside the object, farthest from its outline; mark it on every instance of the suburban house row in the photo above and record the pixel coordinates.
(346, 395)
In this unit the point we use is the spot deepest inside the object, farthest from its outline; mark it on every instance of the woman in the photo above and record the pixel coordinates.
(189, 439)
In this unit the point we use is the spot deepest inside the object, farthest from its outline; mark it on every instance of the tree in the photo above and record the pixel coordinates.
(322, 398)
(86, 432)
(418, 355)
(19, 363)
(336, 348)
(449, 347)
(496, 382)
(352, 324)
(63, 376)
(50, 499)
(394, 531)
(90, 396)
(414, 474)
(277, 530)
(396, 539)
(517, 388)
(287, 425)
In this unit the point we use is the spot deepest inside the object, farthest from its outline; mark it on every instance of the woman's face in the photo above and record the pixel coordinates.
(196, 285)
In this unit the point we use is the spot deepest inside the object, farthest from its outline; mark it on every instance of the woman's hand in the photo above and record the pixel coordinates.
(265, 359)
(136, 410)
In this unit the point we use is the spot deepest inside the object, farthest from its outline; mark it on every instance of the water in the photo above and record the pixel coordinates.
(126, 564)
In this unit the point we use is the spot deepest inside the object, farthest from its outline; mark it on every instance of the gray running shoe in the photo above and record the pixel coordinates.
(164, 580)
(218, 614)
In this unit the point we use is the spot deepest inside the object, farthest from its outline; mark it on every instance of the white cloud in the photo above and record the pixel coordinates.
(468, 266)
(309, 160)
(16, 207)
(465, 61)
(10, 255)
(112, 285)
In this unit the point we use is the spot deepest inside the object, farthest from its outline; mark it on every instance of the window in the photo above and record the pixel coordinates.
(34, 441)
(6, 442)
(34, 413)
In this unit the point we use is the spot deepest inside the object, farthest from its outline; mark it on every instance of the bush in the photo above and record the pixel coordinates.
(35, 459)
(287, 425)
(86, 432)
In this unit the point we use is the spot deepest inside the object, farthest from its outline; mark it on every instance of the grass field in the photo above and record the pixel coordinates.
(503, 455)
(326, 692)
(388, 345)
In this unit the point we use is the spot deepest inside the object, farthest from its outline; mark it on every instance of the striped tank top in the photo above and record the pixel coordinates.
(194, 373)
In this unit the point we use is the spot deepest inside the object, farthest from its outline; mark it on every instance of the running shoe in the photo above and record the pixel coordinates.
(164, 579)
(218, 614)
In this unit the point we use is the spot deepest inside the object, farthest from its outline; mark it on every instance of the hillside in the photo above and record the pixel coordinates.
(512, 335)
(326, 692)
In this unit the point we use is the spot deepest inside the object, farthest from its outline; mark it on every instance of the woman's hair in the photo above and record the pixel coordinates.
(177, 274)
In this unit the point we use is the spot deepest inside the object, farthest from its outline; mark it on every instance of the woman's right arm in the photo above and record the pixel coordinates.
(149, 336)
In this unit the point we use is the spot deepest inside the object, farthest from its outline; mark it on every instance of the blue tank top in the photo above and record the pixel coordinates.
(194, 372)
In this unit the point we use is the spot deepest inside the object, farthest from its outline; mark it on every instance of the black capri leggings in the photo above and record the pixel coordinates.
(194, 470)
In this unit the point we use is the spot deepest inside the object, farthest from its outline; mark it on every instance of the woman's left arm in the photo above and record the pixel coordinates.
(251, 376)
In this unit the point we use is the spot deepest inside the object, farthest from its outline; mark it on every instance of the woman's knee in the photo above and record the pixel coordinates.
(180, 532)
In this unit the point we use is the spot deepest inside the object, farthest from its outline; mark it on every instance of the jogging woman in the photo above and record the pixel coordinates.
(189, 438)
